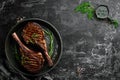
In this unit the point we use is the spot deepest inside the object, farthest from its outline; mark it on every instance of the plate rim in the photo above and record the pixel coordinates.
(60, 40)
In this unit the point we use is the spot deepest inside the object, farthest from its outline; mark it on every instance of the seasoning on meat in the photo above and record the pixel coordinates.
(33, 33)
(32, 61)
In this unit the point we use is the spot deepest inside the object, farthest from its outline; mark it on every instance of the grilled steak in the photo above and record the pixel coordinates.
(32, 61)
(33, 33)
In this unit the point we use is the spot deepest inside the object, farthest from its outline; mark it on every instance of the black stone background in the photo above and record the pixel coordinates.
(91, 47)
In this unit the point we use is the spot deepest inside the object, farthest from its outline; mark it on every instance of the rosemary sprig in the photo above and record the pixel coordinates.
(51, 46)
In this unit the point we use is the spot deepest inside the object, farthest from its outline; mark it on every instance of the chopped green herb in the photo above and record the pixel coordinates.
(115, 23)
(23, 59)
(31, 41)
(23, 62)
(82, 7)
(90, 14)
(86, 7)
(35, 35)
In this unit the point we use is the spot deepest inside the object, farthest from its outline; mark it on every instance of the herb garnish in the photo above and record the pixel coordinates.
(30, 40)
(24, 59)
(86, 7)
(17, 56)
(51, 46)
(114, 22)
(35, 35)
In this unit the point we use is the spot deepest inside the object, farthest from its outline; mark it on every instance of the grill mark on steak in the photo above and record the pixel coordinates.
(32, 61)
(33, 33)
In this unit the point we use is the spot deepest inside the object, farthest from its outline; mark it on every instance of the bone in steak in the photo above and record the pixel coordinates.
(32, 61)
(33, 33)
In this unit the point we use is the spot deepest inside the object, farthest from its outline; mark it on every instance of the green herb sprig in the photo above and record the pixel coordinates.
(114, 22)
(86, 7)
(51, 46)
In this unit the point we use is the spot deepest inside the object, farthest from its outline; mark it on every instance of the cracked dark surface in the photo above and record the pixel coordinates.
(91, 47)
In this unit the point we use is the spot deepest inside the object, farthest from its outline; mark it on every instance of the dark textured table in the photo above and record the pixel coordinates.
(91, 47)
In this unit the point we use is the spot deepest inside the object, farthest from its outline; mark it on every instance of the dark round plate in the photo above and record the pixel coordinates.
(10, 46)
